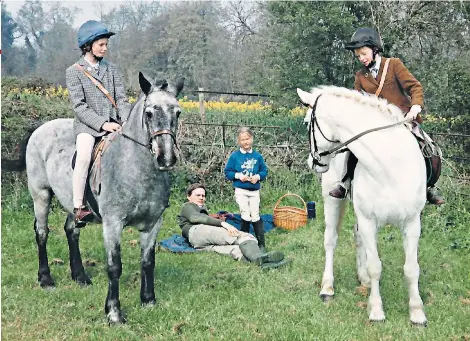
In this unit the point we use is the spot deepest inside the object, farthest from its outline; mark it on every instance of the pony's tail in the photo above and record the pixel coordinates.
(20, 164)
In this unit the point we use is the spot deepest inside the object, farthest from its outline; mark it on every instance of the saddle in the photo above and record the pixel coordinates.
(432, 155)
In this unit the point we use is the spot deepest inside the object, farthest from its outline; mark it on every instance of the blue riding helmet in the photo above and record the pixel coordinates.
(91, 31)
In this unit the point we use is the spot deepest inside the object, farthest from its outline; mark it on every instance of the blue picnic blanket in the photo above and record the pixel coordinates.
(177, 243)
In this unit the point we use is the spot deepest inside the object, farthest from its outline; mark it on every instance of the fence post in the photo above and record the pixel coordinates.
(201, 105)
(223, 137)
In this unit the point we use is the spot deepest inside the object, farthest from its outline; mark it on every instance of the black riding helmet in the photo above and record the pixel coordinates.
(365, 37)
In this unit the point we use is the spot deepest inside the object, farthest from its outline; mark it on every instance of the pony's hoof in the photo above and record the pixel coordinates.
(147, 298)
(377, 316)
(46, 282)
(115, 318)
(419, 324)
(82, 279)
(418, 318)
(148, 304)
(326, 298)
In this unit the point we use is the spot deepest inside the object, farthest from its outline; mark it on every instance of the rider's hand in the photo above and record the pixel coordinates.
(111, 127)
(255, 178)
(413, 113)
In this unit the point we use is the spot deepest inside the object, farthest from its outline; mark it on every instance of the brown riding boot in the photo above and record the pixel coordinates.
(338, 192)
(82, 215)
(434, 197)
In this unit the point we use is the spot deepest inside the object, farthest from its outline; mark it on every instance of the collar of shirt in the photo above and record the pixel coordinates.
(94, 66)
(376, 66)
(244, 152)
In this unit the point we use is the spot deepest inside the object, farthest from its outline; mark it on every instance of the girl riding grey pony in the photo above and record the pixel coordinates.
(400, 88)
(96, 113)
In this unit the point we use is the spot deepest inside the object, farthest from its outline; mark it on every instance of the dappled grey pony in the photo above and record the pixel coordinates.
(135, 186)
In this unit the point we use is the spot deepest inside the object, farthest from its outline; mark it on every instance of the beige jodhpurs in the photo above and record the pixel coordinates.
(248, 201)
(84, 145)
(217, 239)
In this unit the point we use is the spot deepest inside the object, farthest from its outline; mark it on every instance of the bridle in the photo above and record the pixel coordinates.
(316, 157)
(153, 134)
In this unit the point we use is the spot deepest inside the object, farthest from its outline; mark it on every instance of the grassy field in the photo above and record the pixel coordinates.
(206, 296)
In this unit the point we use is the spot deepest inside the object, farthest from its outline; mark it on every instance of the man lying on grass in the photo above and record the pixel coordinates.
(204, 232)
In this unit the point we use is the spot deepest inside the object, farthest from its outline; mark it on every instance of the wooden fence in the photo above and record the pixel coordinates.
(287, 147)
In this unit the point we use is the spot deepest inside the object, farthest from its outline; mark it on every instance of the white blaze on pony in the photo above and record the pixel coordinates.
(389, 184)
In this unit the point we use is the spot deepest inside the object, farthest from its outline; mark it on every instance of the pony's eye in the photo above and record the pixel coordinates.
(149, 114)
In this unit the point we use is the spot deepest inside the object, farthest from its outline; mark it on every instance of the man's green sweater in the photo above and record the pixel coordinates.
(191, 214)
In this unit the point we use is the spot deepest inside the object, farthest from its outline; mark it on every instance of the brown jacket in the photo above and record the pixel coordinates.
(400, 88)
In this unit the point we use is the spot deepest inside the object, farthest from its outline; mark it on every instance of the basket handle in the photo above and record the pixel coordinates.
(292, 195)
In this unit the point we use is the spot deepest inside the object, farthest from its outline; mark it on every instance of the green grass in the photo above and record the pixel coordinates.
(206, 296)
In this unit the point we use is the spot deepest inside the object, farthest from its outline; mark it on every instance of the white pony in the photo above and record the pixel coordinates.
(389, 184)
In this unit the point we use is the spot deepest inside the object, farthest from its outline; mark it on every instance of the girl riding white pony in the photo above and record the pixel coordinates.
(389, 183)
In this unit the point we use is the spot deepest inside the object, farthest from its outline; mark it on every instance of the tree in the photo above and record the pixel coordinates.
(60, 51)
(9, 28)
(32, 22)
(128, 48)
(305, 46)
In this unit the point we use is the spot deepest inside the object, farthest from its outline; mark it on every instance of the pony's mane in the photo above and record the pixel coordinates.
(364, 99)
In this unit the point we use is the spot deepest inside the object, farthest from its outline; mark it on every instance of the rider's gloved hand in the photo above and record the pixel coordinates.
(413, 113)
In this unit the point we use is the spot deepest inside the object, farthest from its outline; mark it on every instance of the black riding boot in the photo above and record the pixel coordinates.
(340, 189)
(259, 233)
(434, 197)
(245, 226)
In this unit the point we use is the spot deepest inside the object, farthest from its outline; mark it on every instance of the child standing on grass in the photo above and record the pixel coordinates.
(246, 169)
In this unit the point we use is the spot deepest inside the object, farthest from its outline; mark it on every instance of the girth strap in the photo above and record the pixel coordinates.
(95, 171)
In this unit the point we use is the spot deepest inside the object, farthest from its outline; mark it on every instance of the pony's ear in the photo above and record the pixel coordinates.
(305, 97)
(145, 83)
(179, 86)
(175, 90)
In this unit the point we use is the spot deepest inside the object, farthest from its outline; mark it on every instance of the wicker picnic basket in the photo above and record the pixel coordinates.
(290, 217)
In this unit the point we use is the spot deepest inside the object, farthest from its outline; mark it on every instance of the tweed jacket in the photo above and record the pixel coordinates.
(400, 88)
(91, 106)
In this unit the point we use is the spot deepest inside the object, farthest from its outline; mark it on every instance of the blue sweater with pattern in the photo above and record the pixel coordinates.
(246, 163)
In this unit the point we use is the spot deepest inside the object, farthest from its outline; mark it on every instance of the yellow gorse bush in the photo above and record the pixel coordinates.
(50, 92)
(186, 104)
(221, 105)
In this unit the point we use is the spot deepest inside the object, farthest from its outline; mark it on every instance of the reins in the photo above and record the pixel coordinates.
(152, 135)
(360, 135)
(313, 121)
(108, 95)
